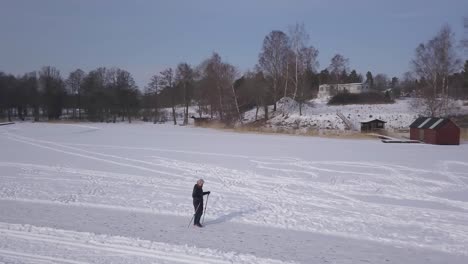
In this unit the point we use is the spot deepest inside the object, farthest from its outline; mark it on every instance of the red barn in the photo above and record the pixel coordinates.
(433, 130)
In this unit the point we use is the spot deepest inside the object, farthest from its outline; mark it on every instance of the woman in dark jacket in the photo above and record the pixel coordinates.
(197, 196)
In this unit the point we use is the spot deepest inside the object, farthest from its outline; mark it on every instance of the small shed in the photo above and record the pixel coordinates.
(372, 125)
(433, 130)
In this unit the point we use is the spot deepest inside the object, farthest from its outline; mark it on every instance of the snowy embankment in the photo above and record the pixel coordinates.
(114, 189)
(6, 123)
(316, 114)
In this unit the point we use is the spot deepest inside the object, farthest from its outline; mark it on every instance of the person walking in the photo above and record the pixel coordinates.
(197, 196)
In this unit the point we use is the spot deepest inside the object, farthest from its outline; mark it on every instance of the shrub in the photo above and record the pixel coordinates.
(362, 98)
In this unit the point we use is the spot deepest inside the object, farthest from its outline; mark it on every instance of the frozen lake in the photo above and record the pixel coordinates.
(121, 193)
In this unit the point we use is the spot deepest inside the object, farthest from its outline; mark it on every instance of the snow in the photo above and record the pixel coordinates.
(121, 193)
(82, 247)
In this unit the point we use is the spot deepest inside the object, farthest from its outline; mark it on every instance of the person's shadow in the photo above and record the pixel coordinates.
(229, 217)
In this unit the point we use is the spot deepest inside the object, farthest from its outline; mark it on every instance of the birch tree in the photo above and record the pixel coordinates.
(273, 60)
(298, 39)
(433, 63)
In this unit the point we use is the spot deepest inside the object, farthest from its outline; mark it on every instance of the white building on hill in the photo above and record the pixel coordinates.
(327, 90)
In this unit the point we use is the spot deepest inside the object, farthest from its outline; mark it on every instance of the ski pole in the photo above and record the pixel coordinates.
(206, 204)
(196, 210)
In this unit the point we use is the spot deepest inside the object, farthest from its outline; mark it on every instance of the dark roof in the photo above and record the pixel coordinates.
(429, 122)
(372, 120)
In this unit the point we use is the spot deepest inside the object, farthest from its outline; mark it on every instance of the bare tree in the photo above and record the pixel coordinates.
(185, 78)
(256, 90)
(408, 83)
(152, 91)
(261, 94)
(53, 89)
(434, 62)
(206, 91)
(381, 81)
(273, 59)
(167, 81)
(95, 96)
(218, 77)
(228, 75)
(338, 65)
(126, 91)
(111, 88)
(30, 83)
(202, 94)
(307, 65)
(465, 40)
(213, 72)
(74, 83)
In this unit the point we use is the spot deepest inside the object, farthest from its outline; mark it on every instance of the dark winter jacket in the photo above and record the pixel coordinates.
(198, 192)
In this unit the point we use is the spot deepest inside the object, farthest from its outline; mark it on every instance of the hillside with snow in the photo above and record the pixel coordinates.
(316, 114)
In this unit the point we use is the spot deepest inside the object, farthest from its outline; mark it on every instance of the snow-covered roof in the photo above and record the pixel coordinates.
(429, 122)
(371, 120)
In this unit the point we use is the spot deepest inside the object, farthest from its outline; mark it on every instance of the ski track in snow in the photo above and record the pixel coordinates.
(384, 202)
(81, 247)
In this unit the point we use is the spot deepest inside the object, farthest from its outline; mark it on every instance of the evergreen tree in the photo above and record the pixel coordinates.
(354, 77)
(324, 77)
(370, 80)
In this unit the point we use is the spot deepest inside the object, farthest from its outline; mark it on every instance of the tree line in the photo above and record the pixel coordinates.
(287, 67)
(102, 94)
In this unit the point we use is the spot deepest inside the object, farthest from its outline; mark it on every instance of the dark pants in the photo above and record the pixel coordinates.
(198, 213)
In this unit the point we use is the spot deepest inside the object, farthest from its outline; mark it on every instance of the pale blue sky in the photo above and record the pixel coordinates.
(144, 36)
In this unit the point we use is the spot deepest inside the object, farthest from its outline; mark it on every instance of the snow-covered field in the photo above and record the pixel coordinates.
(121, 193)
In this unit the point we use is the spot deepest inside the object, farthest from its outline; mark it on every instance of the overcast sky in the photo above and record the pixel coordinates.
(144, 36)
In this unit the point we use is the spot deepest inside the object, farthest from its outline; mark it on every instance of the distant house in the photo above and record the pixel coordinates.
(432, 130)
(372, 125)
(327, 90)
